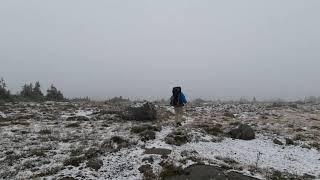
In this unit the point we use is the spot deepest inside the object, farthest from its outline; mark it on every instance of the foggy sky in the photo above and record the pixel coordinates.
(141, 48)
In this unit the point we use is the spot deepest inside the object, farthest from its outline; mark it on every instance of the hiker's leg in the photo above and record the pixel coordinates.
(178, 114)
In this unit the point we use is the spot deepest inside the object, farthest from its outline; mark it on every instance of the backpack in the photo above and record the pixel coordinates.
(175, 100)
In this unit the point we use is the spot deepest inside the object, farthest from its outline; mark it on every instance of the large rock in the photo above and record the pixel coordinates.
(244, 132)
(141, 112)
(159, 151)
(203, 172)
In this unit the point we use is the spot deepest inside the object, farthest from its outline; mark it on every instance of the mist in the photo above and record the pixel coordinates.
(141, 49)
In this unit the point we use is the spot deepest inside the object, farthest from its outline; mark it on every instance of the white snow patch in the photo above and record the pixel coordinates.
(159, 142)
(291, 159)
(122, 165)
(170, 109)
(2, 115)
(84, 113)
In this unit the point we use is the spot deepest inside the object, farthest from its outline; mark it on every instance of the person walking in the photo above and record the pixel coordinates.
(178, 100)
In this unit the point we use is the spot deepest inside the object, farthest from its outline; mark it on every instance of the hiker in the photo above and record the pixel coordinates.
(178, 100)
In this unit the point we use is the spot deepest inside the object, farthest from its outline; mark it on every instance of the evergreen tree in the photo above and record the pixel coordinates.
(37, 91)
(27, 91)
(4, 93)
(53, 94)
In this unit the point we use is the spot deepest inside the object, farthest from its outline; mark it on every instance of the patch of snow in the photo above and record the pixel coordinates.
(138, 104)
(159, 141)
(122, 165)
(188, 120)
(85, 113)
(292, 159)
(2, 115)
(170, 109)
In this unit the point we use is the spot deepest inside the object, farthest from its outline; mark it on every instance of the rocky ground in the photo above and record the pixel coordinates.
(127, 140)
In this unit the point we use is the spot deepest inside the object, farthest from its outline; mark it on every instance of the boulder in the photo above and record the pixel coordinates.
(199, 171)
(244, 132)
(159, 151)
(141, 112)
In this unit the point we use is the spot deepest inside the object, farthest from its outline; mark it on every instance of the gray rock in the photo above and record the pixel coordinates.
(147, 135)
(277, 141)
(244, 132)
(141, 112)
(148, 159)
(67, 178)
(158, 151)
(289, 141)
(77, 118)
(206, 172)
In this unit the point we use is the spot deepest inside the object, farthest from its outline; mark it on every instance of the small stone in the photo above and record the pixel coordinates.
(276, 141)
(305, 146)
(148, 159)
(78, 118)
(289, 141)
(229, 114)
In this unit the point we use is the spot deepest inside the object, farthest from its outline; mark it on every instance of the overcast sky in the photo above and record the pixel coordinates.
(141, 48)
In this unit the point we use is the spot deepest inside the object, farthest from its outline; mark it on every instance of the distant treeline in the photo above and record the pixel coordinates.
(242, 100)
(30, 92)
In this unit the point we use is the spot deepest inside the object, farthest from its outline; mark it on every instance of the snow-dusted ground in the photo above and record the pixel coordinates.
(295, 160)
(292, 159)
(20, 140)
